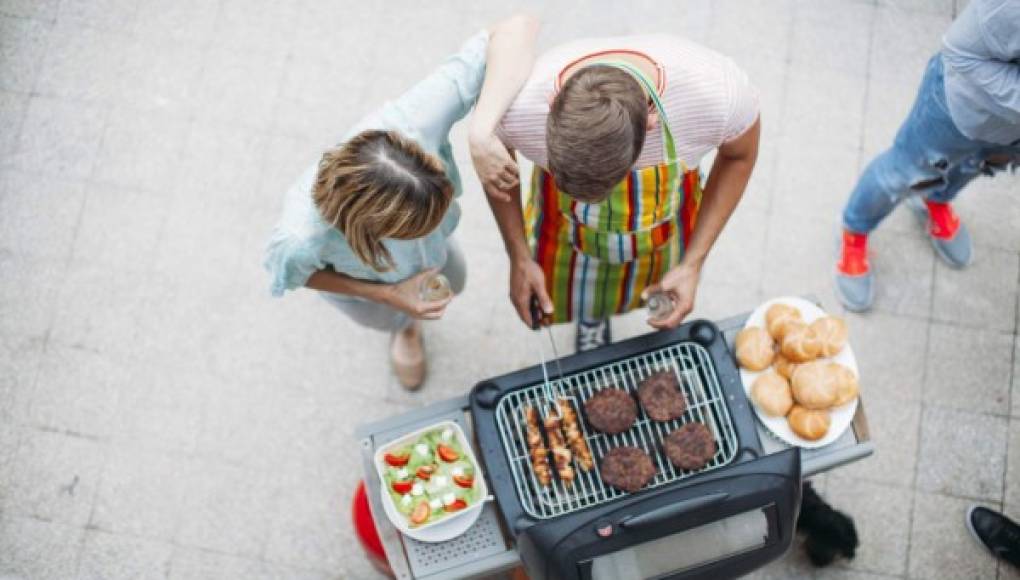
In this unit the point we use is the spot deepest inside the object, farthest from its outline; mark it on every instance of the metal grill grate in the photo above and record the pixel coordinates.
(692, 366)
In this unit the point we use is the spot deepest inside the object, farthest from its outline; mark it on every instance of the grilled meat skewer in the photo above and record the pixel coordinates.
(572, 430)
(561, 455)
(536, 447)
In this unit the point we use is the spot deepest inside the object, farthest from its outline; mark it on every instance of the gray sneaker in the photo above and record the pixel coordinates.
(854, 279)
(856, 293)
(957, 251)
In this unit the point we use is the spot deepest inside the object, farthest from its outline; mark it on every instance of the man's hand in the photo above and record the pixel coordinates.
(496, 169)
(406, 297)
(527, 280)
(680, 284)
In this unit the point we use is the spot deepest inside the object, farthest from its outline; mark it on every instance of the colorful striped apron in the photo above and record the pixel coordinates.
(599, 257)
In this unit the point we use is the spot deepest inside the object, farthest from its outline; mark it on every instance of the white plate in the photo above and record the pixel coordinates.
(841, 416)
(450, 526)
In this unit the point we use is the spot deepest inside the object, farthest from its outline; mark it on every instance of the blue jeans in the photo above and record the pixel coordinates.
(930, 157)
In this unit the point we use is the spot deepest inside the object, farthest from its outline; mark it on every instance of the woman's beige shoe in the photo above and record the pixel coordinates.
(408, 356)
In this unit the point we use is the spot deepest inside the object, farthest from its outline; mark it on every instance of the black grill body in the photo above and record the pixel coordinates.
(563, 547)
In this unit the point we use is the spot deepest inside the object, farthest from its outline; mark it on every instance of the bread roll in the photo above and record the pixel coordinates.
(814, 385)
(831, 333)
(846, 384)
(755, 348)
(809, 424)
(799, 343)
(777, 319)
(771, 393)
(784, 366)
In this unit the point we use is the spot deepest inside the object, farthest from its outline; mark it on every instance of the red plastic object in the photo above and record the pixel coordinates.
(364, 528)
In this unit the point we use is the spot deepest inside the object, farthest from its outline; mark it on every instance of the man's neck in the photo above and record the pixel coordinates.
(643, 63)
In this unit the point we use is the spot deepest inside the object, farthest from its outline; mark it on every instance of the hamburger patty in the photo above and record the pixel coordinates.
(611, 411)
(627, 468)
(690, 446)
(661, 397)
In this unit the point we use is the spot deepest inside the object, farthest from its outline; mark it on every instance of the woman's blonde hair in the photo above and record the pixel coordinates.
(381, 185)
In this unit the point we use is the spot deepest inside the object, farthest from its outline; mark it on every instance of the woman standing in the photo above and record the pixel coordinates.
(371, 224)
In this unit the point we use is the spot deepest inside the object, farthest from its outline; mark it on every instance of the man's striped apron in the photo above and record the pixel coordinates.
(599, 257)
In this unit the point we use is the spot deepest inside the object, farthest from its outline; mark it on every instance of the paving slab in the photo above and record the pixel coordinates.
(106, 556)
(54, 477)
(1012, 501)
(969, 369)
(59, 137)
(31, 548)
(22, 47)
(982, 295)
(140, 150)
(12, 113)
(941, 546)
(904, 267)
(68, 68)
(141, 494)
(881, 515)
(962, 454)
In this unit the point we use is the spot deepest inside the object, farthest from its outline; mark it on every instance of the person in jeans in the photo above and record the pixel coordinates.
(617, 128)
(369, 223)
(964, 122)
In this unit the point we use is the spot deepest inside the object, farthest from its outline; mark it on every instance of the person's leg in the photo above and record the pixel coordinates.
(996, 532)
(927, 146)
(455, 268)
(407, 353)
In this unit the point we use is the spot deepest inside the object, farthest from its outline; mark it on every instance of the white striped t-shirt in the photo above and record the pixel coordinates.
(708, 99)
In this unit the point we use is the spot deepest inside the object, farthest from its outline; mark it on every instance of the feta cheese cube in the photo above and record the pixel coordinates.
(422, 449)
(457, 471)
(402, 473)
(417, 489)
(405, 500)
(435, 504)
(449, 498)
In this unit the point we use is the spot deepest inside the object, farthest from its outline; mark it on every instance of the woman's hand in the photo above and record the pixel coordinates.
(680, 284)
(406, 297)
(527, 280)
(496, 169)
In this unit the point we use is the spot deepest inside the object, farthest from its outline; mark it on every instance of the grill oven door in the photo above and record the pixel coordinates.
(672, 556)
(721, 525)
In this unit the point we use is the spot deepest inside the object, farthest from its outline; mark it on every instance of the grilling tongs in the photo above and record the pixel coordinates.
(537, 317)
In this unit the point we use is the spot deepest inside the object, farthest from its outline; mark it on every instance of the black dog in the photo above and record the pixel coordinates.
(828, 533)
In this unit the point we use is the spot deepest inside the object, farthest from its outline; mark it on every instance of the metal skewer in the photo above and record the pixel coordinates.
(536, 323)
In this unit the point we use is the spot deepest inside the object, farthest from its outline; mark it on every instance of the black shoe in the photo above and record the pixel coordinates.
(592, 335)
(998, 533)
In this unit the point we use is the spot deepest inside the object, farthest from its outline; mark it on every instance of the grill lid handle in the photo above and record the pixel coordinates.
(673, 510)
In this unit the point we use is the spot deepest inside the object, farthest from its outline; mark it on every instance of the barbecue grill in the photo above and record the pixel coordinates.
(731, 516)
(590, 530)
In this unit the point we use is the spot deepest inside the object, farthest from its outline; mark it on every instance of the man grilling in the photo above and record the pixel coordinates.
(616, 128)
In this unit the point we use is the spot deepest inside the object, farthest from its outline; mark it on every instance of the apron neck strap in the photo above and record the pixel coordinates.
(668, 144)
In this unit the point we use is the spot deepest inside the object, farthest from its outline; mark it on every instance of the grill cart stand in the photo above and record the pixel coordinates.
(486, 550)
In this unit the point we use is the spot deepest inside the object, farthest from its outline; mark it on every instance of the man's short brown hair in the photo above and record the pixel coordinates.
(595, 131)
